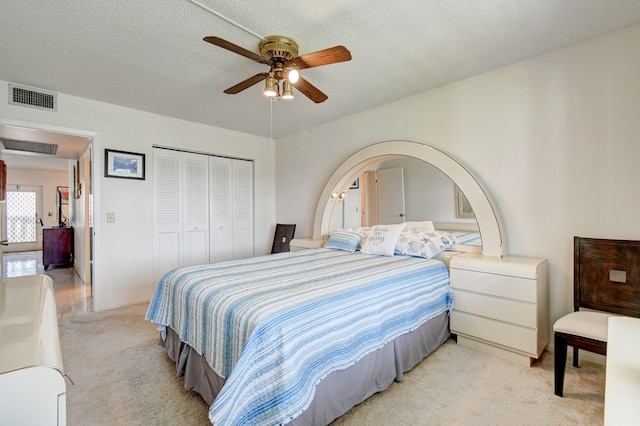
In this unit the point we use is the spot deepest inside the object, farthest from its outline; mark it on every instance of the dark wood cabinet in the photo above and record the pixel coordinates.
(57, 246)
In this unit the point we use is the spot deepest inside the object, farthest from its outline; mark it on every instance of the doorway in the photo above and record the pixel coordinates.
(74, 147)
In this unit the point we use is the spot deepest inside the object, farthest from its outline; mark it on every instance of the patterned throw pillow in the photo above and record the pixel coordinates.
(344, 240)
(382, 239)
(421, 243)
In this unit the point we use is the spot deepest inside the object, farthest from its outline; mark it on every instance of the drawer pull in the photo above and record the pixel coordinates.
(617, 276)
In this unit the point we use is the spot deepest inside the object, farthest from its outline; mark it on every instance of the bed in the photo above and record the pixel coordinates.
(300, 337)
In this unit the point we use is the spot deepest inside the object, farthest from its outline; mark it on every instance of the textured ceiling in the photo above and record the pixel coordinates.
(149, 54)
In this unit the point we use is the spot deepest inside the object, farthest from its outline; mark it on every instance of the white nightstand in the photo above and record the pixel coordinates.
(500, 305)
(298, 244)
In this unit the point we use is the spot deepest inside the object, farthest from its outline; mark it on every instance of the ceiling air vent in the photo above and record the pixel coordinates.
(32, 97)
(28, 146)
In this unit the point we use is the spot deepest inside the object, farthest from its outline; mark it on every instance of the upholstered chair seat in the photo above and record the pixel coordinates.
(586, 330)
(592, 325)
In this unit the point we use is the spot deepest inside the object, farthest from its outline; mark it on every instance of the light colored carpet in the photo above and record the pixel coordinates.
(123, 377)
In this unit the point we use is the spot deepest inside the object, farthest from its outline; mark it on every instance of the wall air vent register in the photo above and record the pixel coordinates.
(32, 97)
(28, 146)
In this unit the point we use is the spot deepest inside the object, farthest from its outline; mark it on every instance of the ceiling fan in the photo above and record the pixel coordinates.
(281, 54)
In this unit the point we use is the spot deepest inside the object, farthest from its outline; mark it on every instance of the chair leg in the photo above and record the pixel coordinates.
(559, 363)
(575, 357)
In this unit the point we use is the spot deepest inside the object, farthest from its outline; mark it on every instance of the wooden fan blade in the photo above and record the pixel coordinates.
(236, 49)
(328, 56)
(310, 91)
(246, 84)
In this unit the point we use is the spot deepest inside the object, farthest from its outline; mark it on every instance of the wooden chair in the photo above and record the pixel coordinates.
(282, 237)
(606, 280)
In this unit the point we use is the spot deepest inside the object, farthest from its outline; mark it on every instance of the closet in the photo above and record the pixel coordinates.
(231, 205)
(203, 209)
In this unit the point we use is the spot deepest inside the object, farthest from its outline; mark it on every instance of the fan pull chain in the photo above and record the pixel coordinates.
(271, 118)
(219, 15)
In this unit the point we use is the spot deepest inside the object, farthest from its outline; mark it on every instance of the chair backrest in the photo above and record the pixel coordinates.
(606, 275)
(282, 237)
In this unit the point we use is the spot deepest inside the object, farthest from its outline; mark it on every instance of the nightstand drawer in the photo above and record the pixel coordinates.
(507, 310)
(500, 333)
(505, 286)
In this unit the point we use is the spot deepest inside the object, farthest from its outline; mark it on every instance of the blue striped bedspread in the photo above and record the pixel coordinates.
(274, 326)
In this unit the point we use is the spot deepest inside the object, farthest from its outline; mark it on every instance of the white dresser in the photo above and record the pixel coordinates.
(32, 382)
(500, 305)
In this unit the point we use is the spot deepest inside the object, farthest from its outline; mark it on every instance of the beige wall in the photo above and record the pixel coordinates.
(555, 140)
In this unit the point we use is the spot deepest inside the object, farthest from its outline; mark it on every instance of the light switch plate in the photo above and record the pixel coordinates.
(111, 217)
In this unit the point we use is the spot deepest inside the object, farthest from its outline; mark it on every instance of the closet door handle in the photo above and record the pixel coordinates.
(4, 242)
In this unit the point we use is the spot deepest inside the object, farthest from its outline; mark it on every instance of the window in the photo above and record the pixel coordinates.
(21, 217)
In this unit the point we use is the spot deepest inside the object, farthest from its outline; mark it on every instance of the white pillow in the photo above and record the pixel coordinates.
(382, 239)
(426, 225)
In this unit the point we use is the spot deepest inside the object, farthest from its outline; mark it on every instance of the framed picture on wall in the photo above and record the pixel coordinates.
(122, 164)
(64, 194)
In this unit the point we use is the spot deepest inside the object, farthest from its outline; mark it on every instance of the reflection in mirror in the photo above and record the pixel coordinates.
(62, 204)
(408, 189)
(463, 208)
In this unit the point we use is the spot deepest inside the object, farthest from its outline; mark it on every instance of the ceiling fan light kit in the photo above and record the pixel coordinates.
(281, 54)
(287, 91)
(293, 76)
(271, 88)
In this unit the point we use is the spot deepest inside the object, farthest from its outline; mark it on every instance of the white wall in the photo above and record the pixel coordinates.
(554, 139)
(124, 249)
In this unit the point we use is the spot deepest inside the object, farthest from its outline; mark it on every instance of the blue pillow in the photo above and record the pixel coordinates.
(344, 240)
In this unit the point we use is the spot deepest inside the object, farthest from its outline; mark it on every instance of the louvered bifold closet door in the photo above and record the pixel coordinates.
(167, 210)
(195, 202)
(231, 204)
(220, 202)
(242, 209)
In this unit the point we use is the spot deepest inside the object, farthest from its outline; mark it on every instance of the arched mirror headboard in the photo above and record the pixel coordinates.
(486, 214)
